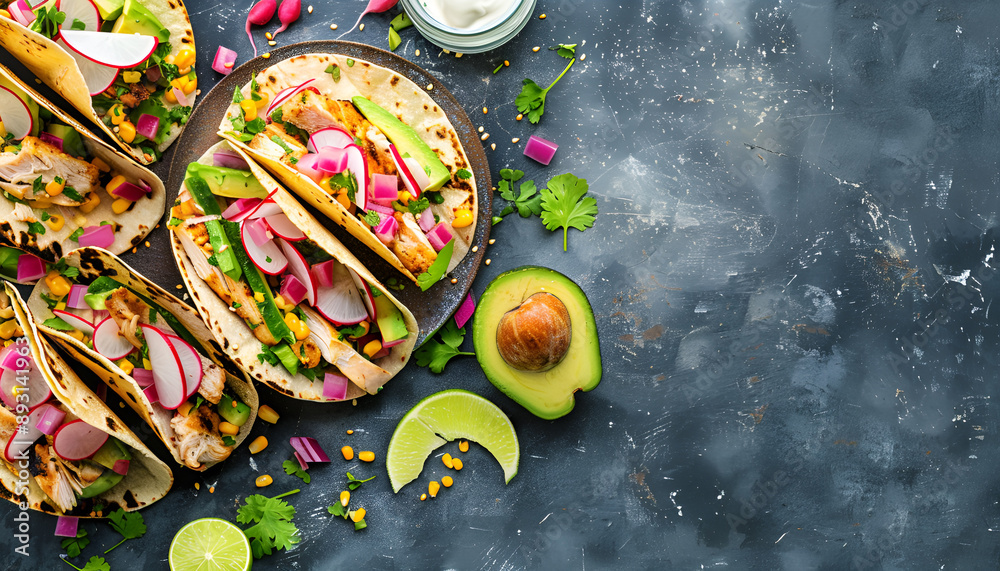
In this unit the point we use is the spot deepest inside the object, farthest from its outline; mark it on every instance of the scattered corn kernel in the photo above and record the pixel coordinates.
(458, 463)
(423, 497)
(448, 461)
(126, 131)
(405, 197)
(197, 485)
(433, 488)
(366, 456)
(583, 57)
(263, 481)
(535, 49)
(463, 446)
(170, 96)
(297, 326)
(519, 117)
(267, 414)
(56, 222)
(475, 249)
(10, 149)
(485, 110)
(269, 36)
(309, 9)
(267, 55)
(184, 58)
(249, 110)
(58, 285)
(358, 515)
(258, 443)
(121, 205)
(493, 146)
(229, 428)
(348, 452)
(485, 136)
(333, 26)
(488, 261)
(541, 17)
(506, 63)
(350, 431)
(146, 364)
(493, 241)
(185, 409)
(447, 481)
(430, 87)
(345, 498)
(515, 140)
(211, 490)
(361, 28)
(373, 347)
(416, 52)
(454, 281)
(53, 188)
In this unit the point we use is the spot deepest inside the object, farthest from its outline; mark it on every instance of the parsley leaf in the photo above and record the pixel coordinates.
(529, 202)
(564, 206)
(129, 524)
(274, 529)
(292, 468)
(438, 268)
(75, 545)
(567, 51)
(75, 236)
(435, 355)
(531, 100)
(463, 174)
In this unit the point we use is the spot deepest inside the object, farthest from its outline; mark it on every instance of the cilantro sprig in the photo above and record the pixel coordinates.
(273, 529)
(527, 201)
(129, 524)
(95, 564)
(435, 355)
(564, 205)
(567, 51)
(75, 545)
(354, 483)
(531, 100)
(292, 468)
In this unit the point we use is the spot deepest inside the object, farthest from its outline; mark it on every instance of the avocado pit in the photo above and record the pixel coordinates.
(536, 335)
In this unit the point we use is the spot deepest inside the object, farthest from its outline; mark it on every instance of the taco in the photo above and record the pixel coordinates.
(128, 65)
(65, 451)
(285, 299)
(152, 350)
(61, 187)
(367, 147)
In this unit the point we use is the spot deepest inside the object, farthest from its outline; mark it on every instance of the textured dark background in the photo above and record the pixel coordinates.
(793, 274)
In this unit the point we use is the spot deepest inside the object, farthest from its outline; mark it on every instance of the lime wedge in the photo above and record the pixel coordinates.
(210, 544)
(446, 416)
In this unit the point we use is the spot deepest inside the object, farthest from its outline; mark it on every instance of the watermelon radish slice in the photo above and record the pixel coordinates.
(75, 321)
(20, 442)
(298, 267)
(82, 10)
(366, 294)
(190, 362)
(168, 370)
(15, 115)
(77, 440)
(34, 386)
(412, 186)
(341, 303)
(329, 137)
(281, 226)
(267, 256)
(109, 342)
(112, 50)
(98, 77)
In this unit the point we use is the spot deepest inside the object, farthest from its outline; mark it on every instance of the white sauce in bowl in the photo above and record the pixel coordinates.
(466, 14)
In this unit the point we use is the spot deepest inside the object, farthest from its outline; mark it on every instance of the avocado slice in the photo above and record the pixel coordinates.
(288, 358)
(72, 142)
(137, 19)
(547, 393)
(111, 452)
(32, 106)
(221, 245)
(231, 183)
(406, 140)
(389, 319)
(234, 411)
(110, 9)
(103, 483)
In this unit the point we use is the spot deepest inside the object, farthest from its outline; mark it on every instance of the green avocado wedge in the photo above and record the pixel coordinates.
(548, 394)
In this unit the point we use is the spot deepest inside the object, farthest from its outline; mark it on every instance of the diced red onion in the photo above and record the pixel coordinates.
(9, 359)
(97, 236)
(309, 448)
(386, 230)
(540, 149)
(240, 209)
(181, 98)
(302, 461)
(145, 186)
(439, 236)
(465, 311)
(67, 526)
(153, 74)
(385, 187)
(151, 395)
(332, 160)
(51, 139)
(30, 268)
(120, 467)
(76, 299)
(129, 191)
(142, 377)
(383, 352)
(147, 125)
(323, 273)
(380, 208)
(229, 159)
(391, 344)
(426, 220)
(292, 290)
(224, 60)
(309, 166)
(258, 231)
(50, 419)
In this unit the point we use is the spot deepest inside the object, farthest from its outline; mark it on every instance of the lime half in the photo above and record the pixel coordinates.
(210, 544)
(445, 416)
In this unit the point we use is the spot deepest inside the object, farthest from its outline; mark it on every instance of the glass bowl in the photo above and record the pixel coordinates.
(470, 41)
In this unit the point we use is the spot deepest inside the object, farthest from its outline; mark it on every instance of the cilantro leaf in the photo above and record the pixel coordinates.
(564, 206)
(463, 174)
(72, 194)
(292, 468)
(75, 545)
(274, 529)
(435, 355)
(567, 51)
(511, 174)
(95, 564)
(237, 95)
(531, 100)
(129, 524)
(438, 268)
(338, 510)
(36, 228)
(353, 483)
(417, 206)
(529, 202)
(371, 218)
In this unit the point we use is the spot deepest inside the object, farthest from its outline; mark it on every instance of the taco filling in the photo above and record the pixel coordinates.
(311, 314)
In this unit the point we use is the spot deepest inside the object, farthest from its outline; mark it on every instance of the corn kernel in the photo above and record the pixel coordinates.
(197, 485)
(423, 497)
(185, 408)
(291, 320)
(7, 313)
(126, 131)
(190, 87)
(117, 114)
(463, 446)
(53, 188)
(184, 58)
(349, 431)
(170, 97)
(56, 222)
(100, 165)
(447, 461)
(259, 297)
(126, 366)
(132, 77)
(267, 414)
(263, 101)
(121, 205)
(463, 218)
(258, 444)
(280, 302)
(458, 463)
(184, 71)
(115, 183)
(146, 364)
(345, 498)
(348, 452)
(10, 149)
(263, 481)
(358, 515)
(229, 428)
(344, 200)
(92, 202)
(61, 306)
(249, 110)
(7, 329)
(447, 481)
(433, 488)
(373, 346)
(75, 334)
(405, 197)
(366, 456)
(58, 285)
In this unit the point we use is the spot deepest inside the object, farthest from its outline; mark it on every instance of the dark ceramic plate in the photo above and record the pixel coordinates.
(431, 308)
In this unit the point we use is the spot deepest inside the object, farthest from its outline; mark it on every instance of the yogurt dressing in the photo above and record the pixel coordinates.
(467, 14)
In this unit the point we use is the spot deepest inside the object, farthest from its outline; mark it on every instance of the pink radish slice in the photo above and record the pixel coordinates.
(358, 166)
(335, 137)
(75, 321)
(341, 302)
(266, 256)
(83, 10)
(168, 371)
(98, 77)
(15, 115)
(265, 209)
(366, 294)
(20, 14)
(109, 342)
(286, 94)
(190, 362)
(142, 377)
(77, 440)
(391, 344)
(20, 442)
(281, 226)
(240, 209)
(298, 267)
(112, 50)
(35, 386)
(404, 172)
(417, 172)
(49, 419)
(120, 467)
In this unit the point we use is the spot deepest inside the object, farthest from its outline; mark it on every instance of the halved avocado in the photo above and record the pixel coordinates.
(540, 362)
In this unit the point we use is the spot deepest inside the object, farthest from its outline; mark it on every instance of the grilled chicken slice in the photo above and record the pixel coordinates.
(198, 439)
(359, 370)
(411, 246)
(8, 424)
(128, 311)
(38, 158)
(213, 380)
(53, 478)
(264, 142)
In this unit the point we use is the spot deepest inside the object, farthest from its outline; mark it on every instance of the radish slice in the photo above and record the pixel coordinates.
(19, 442)
(418, 172)
(366, 294)
(21, 14)
(265, 209)
(83, 10)
(190, 362)
(404, 172)
(98, 77)
(266, 256)
(281, 226)
(49, 419)
(241, 209)
(341, 302)
(75, 321)
(142, 377)
(298, 267)
(285, 95)
(121, 467)
(112, 50)
(109, 342)
(35, 386)
(168, 370)
(389, 345)
(335, 137)
(78, 440)
(15, 115)
(358, 166)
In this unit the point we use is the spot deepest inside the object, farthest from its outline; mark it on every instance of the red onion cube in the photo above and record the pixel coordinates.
(224, 60)
(302, 461)
(67, 526)
(50, 420)
(151, 395)
(426, 220)
(334, 387)
(142, 377)
(292, 290)
(323, 273)
(385, 187)
(309, 166)
(129, 191)
(258, 231)
(309, 449)
(332, 160)
(181, 98)
(386, 230)
(465, 311)
(30, 268)
(439, 236)
(380, 208)
(76, 299)
(10, 358)
(540, 149)
(147, 126)
(97, 236)
(52, 140)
